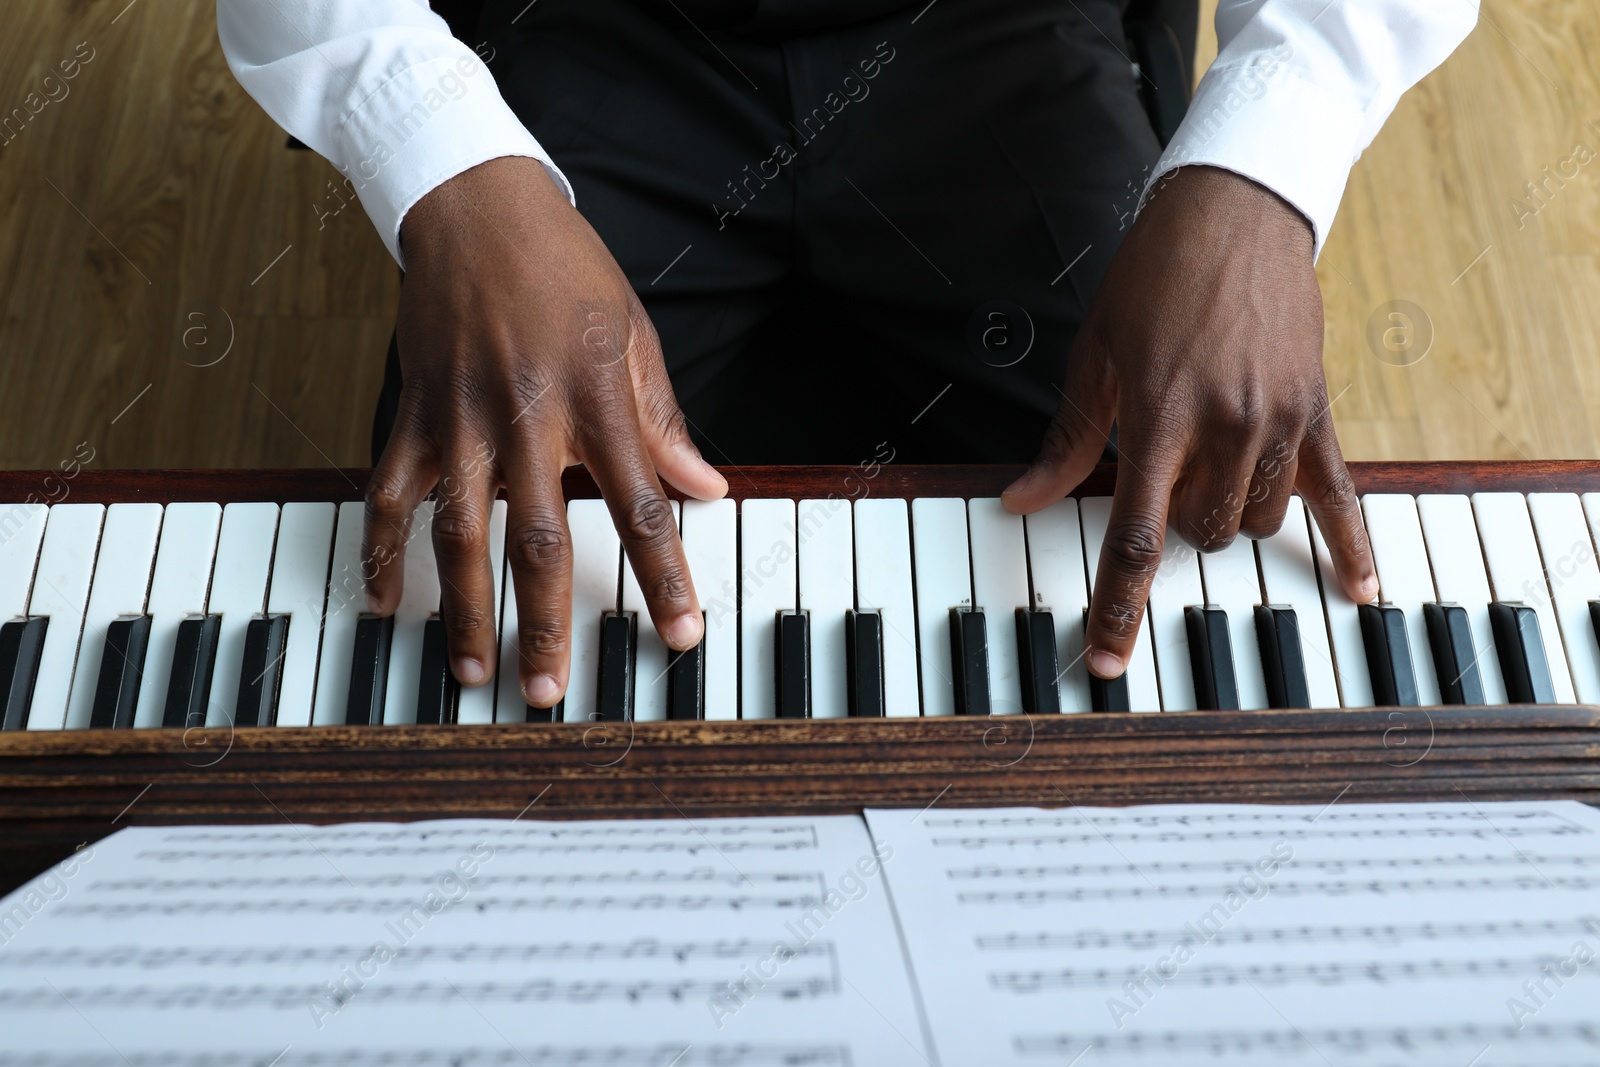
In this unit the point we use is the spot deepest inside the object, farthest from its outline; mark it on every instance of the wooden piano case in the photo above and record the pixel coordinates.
(59, 790)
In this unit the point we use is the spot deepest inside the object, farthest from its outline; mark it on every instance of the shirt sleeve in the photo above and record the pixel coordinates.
(1301, 87)
(378, 87)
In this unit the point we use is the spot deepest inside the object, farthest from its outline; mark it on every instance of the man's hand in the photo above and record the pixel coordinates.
(524, 350)
(1205, 346)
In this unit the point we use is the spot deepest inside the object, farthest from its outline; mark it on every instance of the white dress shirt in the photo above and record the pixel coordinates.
(399, 106)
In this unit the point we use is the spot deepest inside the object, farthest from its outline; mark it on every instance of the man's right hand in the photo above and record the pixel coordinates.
(524, 350)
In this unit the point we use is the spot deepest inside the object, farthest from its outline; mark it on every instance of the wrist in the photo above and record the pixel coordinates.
(1234, 204)
(507, 189)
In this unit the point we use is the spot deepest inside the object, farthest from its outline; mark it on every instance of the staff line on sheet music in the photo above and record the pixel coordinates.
(697, 829)
(1107, 840)
(1291, 1025)
(1373, 887)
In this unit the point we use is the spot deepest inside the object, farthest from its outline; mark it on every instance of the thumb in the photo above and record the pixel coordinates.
(1078, 433)
(661, 421)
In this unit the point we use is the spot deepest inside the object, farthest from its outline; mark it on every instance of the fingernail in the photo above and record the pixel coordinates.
(1104, 665)
(469, 670)
(1020, 484)
(685, 632)
(374, 605)
(1369, 588)
(541, 691)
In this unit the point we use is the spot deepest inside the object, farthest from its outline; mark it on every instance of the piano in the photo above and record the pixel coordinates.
(191, 646)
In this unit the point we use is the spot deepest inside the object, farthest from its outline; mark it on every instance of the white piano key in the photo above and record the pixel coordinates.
(21, 531)
(1289, 576)
(999, 588)
(944, 580)
(238, 594)
(419, 601)
(299, 590)
(1233, 584)
(177, 592)
(477, 701)
(650, 657)
(1517, 573)
(1460, 577)
(1344, 629)
(884, 585)
(347, 599)
(711, 544)
(61, 592)
(1061, 587)
(1177, 586)
(596, 578)
(826, 550)
(767, 585)
(1144, 691)
(1405, 578)
(121, 580)
(1569, 567)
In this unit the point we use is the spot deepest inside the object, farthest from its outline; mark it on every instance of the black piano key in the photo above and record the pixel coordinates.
(261, 672)
(21, 642)
(793, 681)
(619, 637)
(369, 670)
(438, 692)
(1594, 617)
(116, 691)
(1454, 658)
(1211, 658)
(863, 643)
(193, 660)
(1522, 656)
(1037, 663)
(686, 683)
(969, 659)
(554, 713)
(1282, 658)
(1106, 695)
(1394, 676)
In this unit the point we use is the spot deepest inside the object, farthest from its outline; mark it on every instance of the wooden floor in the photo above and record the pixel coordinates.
(171, 299)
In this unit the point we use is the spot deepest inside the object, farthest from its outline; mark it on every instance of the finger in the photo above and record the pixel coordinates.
(1077, 436)
(1212, 495)
(661, 421)
(405, 472)
(643, 518)
(1271, 486)
(539, 551)
(1130, 556)
(461, 513)
(1324, 482)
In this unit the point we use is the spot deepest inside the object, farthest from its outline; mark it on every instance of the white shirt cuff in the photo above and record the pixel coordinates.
(421, 128)
(1263, 122)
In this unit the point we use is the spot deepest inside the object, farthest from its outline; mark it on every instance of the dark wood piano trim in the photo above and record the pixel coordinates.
(60, 790)
(883, 480)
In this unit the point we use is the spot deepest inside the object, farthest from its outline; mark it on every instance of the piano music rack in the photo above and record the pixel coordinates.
(62, 789)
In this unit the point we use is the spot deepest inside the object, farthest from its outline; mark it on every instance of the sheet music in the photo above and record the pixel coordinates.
(651, 943)
(1351, 935)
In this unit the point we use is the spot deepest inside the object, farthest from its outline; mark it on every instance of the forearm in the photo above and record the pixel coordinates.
(1301, 87)
(378, 87)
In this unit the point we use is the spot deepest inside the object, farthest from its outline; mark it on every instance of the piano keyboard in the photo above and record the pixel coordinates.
(134, 615)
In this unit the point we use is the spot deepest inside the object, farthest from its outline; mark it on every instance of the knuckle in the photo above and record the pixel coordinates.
(458, 532)
(539, 545)
(671, 587)
(541, 639)
(1120, 619)
(465, 619)
(646, 520)
(1135, 547)
(386, 500)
